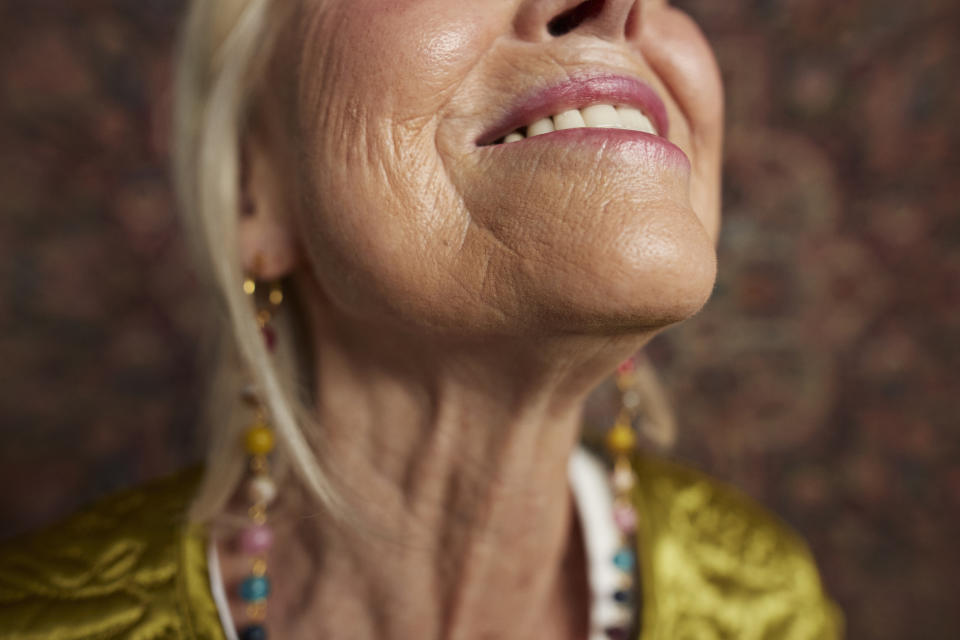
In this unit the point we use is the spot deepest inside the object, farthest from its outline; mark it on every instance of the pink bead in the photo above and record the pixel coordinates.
(626, 518)
(627, 366)
(256, 539)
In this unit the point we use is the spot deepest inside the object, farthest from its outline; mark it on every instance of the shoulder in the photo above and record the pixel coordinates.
(129, 565)
(717, 565)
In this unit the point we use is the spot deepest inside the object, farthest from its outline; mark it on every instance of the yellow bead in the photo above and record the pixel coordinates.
(621, 439)
(259, 440)
(276, 296)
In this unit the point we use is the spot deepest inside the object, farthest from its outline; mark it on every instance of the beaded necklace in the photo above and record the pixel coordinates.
(613, 616)
(610, 614)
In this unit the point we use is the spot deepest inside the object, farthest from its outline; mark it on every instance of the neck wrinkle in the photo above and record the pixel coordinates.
(471, 506)
(455, 460)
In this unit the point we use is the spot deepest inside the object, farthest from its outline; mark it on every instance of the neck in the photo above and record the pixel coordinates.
(453, 461)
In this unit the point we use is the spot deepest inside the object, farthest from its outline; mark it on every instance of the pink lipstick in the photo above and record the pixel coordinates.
(581, 92)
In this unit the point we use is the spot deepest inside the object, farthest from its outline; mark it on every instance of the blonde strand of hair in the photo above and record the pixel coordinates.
(224, 45)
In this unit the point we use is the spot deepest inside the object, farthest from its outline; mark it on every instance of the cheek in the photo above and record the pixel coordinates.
(683, 59)
(381, 222)
(416, 51)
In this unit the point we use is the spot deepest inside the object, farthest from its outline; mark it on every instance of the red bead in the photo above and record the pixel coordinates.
(269, 336)
(627, 366)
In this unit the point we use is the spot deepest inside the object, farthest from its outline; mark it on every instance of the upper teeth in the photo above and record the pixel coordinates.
(597, 115)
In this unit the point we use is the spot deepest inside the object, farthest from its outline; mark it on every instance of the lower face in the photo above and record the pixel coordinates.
(436, 196)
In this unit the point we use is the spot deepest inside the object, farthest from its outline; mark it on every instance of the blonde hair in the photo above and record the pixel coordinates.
(224, 51)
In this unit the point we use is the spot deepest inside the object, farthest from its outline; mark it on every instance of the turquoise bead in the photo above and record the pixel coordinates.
(624, 559)
(255, 588)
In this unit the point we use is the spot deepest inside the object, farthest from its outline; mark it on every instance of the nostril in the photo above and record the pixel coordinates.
(573, 18)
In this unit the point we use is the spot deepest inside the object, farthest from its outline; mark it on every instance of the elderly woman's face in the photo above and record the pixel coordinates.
(450, 183)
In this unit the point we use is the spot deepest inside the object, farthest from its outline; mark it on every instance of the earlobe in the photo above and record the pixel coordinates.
(266, 245)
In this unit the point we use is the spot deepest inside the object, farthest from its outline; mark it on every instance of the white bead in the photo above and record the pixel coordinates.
(607, 613)
(262, 489)
(631, 399)
(623, 479)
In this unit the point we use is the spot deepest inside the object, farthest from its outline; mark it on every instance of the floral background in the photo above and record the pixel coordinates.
(821, 378)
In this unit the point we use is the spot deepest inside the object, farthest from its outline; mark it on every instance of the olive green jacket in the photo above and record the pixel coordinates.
(713, 565)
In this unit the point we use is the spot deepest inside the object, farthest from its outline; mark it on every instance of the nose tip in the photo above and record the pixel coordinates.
(607, 19)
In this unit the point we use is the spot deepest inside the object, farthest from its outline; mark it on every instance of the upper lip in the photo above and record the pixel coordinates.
(578, 92)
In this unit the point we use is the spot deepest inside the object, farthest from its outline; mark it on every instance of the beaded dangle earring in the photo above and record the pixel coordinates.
(258, 441)
(621, 442)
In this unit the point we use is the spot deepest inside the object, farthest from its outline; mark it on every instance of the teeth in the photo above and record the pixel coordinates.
(594, 116)
(602, 115)
(540, 127)
(569, 120)
(634, 119)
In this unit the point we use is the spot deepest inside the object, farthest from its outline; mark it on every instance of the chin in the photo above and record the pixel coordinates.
(652, 284)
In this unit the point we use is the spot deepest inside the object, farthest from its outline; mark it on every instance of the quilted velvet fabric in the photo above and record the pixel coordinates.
(717, 566)
(713, 565)
(128, 567)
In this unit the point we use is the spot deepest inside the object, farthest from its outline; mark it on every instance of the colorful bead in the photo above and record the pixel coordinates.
(623, 479)
(256, 540)
(276, 295)
(259, 440)
(253, 632)
(626, 518)
(624, 559)
(255, 588)
(623, 596)
(621, 439)
(617, 633)
(250, 395)
(262, 489)
(627, 366)
(269, 337)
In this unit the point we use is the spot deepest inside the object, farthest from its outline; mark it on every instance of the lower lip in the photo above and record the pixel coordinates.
(655, 149)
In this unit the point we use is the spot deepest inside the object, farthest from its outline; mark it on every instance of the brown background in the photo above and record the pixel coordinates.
(821, 378)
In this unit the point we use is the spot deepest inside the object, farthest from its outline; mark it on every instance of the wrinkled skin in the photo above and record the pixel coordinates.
(468, 296)
(407, 218)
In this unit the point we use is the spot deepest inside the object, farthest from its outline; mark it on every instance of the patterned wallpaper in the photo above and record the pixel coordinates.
(821, 377)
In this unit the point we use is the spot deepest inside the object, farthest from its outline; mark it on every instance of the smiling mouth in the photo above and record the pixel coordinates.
(588, 100)
(596, 116)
